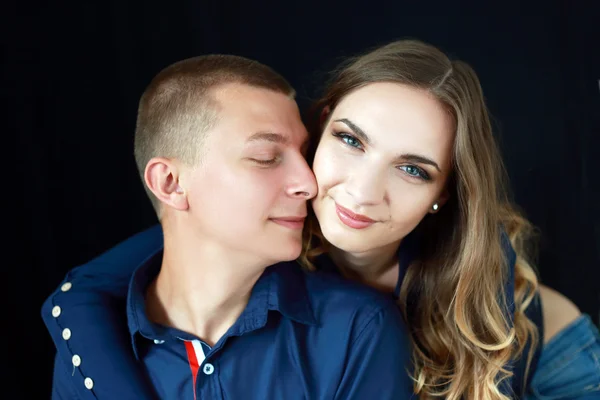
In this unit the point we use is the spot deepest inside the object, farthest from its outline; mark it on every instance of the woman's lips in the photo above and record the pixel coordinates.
(353, 220)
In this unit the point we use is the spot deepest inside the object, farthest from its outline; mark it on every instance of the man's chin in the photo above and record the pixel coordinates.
(284, 249)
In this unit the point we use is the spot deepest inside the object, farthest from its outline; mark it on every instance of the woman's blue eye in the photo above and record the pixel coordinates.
(349, 140)
(415, 172)
(411, 170)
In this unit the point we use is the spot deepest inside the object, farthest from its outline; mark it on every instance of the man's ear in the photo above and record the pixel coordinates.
(162, 178)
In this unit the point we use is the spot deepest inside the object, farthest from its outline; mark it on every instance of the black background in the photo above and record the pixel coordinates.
(72, 75)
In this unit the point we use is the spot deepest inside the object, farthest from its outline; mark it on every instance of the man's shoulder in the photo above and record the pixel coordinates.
(78, 306)
(90, 302)
(334, 298)
(109, 273)
(337, 285)
(93, 295)
(119, 262)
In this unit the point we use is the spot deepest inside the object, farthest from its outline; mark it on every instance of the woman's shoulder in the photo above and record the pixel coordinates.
(558, 311)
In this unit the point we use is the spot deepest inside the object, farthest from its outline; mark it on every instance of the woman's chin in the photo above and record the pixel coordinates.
(350, 242)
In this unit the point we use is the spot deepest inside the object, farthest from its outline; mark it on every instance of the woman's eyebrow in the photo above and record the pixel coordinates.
(356, 130)
(418, 159)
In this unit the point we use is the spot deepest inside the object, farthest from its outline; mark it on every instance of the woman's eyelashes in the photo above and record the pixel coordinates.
(415, 172)
(353, 142)
(348, 139)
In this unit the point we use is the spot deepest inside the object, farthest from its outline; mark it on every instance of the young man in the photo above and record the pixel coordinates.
(220, 310)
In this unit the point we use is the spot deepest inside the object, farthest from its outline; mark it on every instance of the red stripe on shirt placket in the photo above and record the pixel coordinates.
(193, 361)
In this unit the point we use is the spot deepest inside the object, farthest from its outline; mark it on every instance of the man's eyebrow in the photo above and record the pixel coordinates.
(268, 137)
(362, 135)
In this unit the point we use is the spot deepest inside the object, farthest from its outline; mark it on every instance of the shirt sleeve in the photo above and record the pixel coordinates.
(109, 273)
(379, 360)
(62, 388)
(86, 316)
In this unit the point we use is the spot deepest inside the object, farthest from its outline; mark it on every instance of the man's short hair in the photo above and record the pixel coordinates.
(178, 106)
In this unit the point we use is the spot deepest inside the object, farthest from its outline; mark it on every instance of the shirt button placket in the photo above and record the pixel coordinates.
(207, 385)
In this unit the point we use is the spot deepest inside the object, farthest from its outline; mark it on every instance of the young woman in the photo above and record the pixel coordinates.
(412, 200)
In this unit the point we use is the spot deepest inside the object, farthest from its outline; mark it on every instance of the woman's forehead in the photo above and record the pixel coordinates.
(387, 112)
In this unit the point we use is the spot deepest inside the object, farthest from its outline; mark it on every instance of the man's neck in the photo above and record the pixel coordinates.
(200, 289)
(377, 268)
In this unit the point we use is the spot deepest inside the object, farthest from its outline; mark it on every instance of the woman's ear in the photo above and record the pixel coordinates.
(444, 197)
(324, 117)
(440, 202)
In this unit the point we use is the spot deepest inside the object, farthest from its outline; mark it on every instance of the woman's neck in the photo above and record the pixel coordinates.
(377, 268)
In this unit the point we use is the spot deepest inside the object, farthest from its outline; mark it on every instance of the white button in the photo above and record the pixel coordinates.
(208, 369)
(66, 334)
(56, 311)
(76, 360)
(158, 341)
(66, 286)
(89, 383)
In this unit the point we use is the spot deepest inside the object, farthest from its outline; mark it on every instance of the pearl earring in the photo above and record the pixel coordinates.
(435, 207)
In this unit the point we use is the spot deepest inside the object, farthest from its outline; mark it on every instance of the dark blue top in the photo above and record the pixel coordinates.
(516, 386)
(302, 336)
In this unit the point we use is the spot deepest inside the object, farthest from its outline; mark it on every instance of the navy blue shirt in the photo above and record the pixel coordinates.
(515, 386)
(302, 336)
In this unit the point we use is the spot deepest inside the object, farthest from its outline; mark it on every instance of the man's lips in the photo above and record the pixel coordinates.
(290, 222)
(351, 219)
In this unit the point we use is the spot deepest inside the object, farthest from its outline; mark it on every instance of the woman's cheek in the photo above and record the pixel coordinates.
(327, 167)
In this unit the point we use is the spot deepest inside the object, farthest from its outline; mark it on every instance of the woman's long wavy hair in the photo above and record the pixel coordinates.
(453, 297)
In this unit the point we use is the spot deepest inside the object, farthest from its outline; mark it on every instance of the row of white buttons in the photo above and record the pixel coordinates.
(66, 334)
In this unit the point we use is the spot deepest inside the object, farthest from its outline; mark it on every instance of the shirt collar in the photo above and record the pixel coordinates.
(289, 294)
(137, 321)
(280, 288)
